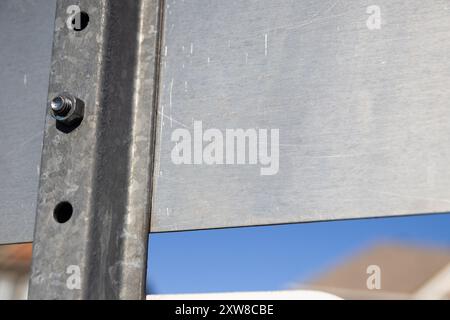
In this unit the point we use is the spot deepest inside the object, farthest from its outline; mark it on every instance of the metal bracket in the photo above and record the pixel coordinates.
(93, 209)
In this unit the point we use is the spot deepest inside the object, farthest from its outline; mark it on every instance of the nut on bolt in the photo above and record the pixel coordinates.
(67, 109)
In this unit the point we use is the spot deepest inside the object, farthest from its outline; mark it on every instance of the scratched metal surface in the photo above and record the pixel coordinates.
(363, 113)
(25, 51)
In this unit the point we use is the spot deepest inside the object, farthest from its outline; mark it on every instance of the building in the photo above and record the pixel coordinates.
(15, 262)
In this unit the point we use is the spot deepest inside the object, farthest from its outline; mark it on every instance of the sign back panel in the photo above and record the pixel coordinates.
(357, 91)
(25, 53)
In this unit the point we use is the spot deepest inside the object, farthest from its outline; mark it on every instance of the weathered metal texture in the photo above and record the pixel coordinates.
(103, 167)
(363, 113)
(25, 52)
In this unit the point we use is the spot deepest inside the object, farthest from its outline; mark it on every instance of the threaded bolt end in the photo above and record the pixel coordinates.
(61, 105)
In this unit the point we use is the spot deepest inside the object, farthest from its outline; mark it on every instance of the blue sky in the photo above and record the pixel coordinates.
(271, 258)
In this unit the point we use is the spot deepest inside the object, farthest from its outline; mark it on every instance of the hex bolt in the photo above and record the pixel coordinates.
(67, 109)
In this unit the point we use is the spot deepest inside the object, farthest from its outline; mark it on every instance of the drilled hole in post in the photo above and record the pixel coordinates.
(63, 212)
(80, 21)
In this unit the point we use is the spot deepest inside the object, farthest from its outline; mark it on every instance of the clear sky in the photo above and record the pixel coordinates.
(272, 258)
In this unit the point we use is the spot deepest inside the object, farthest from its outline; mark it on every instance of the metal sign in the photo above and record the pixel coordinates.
(25, 54)
(269, 112)
(289, 111)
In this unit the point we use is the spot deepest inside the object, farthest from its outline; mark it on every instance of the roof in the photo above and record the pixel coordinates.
(16, 257)
(405, 269)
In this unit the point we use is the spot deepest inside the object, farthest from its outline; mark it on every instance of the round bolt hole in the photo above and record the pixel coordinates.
(80, 21)
(63, 212)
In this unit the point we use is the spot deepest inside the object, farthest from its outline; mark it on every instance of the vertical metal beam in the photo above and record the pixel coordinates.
(103, 167)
